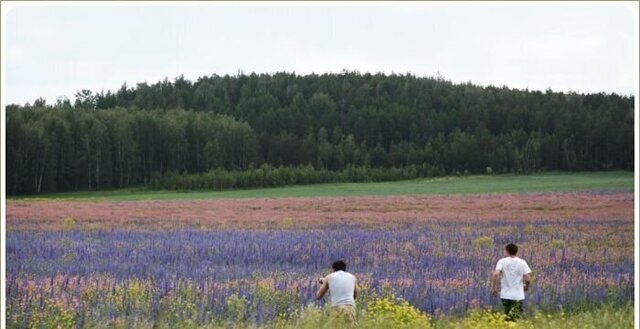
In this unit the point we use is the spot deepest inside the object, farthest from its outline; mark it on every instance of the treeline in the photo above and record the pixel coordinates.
(307, 129)
(52, 150)
(269, 176)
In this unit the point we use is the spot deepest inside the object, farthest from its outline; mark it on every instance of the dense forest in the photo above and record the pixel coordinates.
(254, 130)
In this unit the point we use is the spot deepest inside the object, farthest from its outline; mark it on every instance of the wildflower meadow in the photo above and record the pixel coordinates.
(415, 273)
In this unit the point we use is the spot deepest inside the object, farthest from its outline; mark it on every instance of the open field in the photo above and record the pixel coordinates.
(254, 262)
(314, 212)
(547, 182)
(177, 277)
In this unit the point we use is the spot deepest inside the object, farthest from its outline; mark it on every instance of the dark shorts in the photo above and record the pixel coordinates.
(512, 309)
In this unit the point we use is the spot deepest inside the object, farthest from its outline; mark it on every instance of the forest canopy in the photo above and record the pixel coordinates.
(278, 129)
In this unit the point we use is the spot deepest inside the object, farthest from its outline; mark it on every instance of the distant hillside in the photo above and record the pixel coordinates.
(319, 128)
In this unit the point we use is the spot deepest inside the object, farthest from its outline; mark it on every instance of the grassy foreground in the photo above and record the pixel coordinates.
(394, 317)
(545, 182)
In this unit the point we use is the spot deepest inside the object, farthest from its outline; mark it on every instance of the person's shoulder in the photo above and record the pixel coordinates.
(351, 275)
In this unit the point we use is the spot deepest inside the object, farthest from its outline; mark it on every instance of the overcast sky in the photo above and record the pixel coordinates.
(54, 51)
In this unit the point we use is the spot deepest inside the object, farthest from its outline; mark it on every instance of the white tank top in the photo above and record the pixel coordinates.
(341, 288)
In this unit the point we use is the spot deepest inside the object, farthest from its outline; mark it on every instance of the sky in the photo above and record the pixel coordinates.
(53, 51)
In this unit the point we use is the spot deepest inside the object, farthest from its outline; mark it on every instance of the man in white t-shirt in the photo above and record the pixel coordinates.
(512, 274)
(342, 287)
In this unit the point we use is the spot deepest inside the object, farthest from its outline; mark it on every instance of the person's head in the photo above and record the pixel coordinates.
(511, 249)
(339, 265)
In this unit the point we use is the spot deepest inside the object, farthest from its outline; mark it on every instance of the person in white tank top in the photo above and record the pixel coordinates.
(342, 288)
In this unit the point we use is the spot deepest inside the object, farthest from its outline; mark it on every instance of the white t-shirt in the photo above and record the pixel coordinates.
(341, 287)
(512, 269)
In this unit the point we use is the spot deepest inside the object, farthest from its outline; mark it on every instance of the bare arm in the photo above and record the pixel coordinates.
(495, 283)
(355, 290)
(526, 279)
(323, 288)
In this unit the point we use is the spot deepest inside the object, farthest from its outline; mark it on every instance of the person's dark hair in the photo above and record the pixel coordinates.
(512, 249)
(339, 265)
